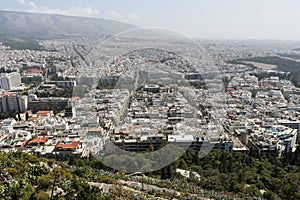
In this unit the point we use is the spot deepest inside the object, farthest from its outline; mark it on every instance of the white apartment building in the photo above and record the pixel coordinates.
(10, 80)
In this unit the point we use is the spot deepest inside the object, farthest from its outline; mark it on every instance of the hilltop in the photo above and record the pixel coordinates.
(22, 29)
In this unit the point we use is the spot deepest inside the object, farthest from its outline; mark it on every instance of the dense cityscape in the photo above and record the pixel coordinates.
(101, 109)
(37, 86)
(51, 109)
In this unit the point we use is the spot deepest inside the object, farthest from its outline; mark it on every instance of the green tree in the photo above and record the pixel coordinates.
(44, 182)
(26, 116)
(27, 192)
(41, 195)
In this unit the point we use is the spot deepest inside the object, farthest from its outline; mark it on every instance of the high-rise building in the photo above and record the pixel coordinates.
(10, 80)
(12, 102)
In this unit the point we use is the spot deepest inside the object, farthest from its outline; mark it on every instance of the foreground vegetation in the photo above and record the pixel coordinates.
(24, 176)
(246, 176)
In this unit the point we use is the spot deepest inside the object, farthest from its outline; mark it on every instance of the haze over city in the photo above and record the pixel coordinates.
(214, 19)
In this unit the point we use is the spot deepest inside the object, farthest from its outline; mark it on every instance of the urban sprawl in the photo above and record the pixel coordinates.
(70, 99)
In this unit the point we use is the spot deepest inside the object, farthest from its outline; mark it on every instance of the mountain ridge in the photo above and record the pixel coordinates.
(36, 26)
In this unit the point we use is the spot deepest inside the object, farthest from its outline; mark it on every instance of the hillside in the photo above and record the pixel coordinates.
(23, 28)
(219, 175)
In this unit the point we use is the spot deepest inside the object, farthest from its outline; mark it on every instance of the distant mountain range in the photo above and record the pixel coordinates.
(23, 28)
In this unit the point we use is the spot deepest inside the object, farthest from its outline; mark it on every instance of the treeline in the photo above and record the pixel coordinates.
(287, 55)
(245, 175)
(23, 176)
(282, 64)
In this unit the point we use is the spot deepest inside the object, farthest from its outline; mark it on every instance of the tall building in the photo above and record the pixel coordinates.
(10, 80)
(12, 102)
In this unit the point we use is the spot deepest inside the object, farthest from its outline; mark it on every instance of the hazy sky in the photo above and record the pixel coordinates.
(215, 19)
